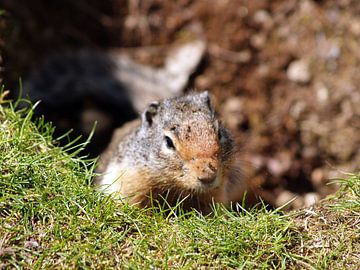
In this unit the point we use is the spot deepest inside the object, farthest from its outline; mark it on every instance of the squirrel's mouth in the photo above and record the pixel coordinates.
(206, 185)
(208, 182)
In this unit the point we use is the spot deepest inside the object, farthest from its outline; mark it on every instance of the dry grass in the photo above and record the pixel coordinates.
(332, 229)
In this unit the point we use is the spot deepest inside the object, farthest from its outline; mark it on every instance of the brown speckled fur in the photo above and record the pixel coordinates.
(178, 150)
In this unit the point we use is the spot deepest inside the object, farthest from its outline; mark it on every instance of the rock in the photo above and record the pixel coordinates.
(297, 109)
(285, 197)
(263, 18)
(280, 164)
(203, 82)
(309, 152)
(233, 112)
(310, 199)
(263, 70)
(333, 15)
(322, 93)
(355, 27)
(244, 56)
(299, 71)
(283, 31)
(258, 41)
(327, 49)
(258, 161)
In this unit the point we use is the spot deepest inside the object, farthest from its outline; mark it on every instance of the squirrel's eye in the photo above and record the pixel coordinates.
(169, 143)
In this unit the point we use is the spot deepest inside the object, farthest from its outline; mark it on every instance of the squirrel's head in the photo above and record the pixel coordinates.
(192, 148)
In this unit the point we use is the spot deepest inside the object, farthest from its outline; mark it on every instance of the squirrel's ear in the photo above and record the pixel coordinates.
(150, 112)
(206, 99)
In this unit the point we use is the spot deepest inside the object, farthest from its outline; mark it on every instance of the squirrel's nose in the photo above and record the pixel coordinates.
(207, 170)
(207, 179)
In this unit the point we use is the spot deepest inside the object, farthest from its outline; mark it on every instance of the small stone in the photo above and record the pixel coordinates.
(233, 112)
(333, 16)
(298, 71)
(285, 197)
(307, 7)
(257, 161)
(244, 56)
(310, 199)
(233, 105)
(309, 152)
(297, 109)
(322, 93)
(355, 27)
(333, 52)
(203, 82)
(283, 31)
(280, 164)
(263, 18)
(274, 166)
(317, 177)
(328, 50)
(258, 41)
(242, 10)
(263, 70)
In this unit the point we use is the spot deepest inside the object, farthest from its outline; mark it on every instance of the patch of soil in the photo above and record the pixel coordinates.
(284, 74)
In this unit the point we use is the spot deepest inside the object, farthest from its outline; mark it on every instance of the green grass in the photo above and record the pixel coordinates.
(52, 217)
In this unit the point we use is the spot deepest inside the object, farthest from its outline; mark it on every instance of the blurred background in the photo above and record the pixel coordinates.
(284, 74)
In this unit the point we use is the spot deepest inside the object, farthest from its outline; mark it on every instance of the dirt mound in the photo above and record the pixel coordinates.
(284, 73)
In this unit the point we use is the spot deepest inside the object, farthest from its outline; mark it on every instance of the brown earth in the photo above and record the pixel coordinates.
(284, 73)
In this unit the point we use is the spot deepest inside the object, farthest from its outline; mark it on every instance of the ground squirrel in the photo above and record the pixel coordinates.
(178, 149)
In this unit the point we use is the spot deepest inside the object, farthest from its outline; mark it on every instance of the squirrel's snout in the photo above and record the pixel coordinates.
(206, 169)
(207, 179)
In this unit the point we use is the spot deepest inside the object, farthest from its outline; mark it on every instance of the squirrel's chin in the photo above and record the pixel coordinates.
(205, 187)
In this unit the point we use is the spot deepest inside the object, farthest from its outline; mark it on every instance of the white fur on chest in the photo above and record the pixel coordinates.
(112, 180)
(120, 179)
